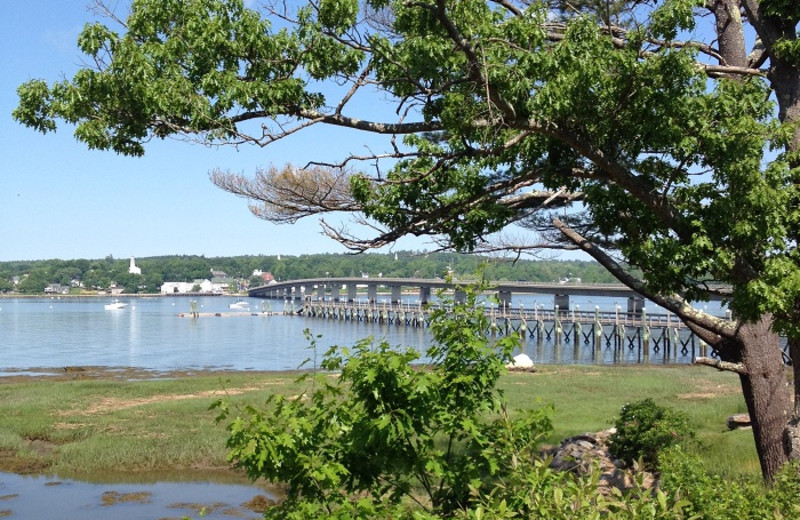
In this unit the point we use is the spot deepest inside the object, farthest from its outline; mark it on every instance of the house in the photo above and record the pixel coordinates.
(223, 284)
(264, 275)
(204, 286)
(56, 288)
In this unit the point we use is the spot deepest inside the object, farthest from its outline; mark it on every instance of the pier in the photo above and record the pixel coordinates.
(648, 337)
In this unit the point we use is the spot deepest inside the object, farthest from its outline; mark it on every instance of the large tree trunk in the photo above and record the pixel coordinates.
(765, 388)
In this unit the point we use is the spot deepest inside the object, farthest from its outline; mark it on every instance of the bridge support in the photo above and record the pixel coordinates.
(397, 293)
(424, 294)
(460, 296)
(321, 291)
(504, 299)
(561, 301)
(352, 292)
(372, 292)
(635, 304)
(335, 292)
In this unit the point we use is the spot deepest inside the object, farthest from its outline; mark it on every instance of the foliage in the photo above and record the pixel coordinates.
(644, 429)
(594, 126)
(381, 432)
(373, 436)
(408, 264)
(710, 497)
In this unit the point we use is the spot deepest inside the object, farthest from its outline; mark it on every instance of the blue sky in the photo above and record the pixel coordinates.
(60, 200)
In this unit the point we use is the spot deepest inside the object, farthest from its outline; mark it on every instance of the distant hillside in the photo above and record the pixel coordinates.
(32, 277)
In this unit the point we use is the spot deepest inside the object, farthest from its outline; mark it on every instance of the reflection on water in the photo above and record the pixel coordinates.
(148, 334)
(25, 497)
(44, 332)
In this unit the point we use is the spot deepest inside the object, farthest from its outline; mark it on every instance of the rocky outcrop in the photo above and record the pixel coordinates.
(580, 454)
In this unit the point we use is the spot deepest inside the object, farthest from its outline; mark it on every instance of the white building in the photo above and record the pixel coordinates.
(133, 269)
(205, 286)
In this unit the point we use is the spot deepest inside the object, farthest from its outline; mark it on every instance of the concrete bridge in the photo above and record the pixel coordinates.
(347, 289)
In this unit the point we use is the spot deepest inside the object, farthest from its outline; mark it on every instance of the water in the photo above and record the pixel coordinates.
(27, 497)
(148, 334)
(53, 333)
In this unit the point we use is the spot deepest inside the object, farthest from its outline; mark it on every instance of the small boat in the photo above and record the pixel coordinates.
(115, 306)
(241, 304)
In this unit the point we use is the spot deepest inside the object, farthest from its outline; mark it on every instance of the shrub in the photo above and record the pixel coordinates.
(712, 497)
(644, 429)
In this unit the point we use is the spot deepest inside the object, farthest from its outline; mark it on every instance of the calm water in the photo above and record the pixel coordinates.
(149, 334)
(34, 498)
(53, 333)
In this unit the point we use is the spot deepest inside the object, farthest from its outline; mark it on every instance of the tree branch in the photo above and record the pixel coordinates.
(722, 365)
(674, 303)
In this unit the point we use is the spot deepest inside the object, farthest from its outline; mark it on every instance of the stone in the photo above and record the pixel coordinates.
(791, 438)
(582, 453)
(522, 363)
(738, 421)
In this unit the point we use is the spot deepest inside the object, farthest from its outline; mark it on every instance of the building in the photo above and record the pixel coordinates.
(204, 286)
(264, 275)
(55, 288)
(132, 269)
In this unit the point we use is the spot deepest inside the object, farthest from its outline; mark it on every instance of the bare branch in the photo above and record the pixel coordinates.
(722, 365)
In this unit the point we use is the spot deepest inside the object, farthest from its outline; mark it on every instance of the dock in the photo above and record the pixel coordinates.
(225, 314)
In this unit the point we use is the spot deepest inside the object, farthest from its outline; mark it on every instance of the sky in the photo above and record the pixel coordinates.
(58, 199)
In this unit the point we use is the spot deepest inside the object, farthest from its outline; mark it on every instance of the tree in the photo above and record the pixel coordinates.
(654, 135)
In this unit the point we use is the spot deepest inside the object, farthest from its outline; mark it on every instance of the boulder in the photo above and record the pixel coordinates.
(738, 421)
(522, 363)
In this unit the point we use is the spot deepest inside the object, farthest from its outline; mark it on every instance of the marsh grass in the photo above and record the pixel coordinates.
(112, 427)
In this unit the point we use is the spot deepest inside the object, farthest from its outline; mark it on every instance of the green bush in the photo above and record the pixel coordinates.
(712, 497)
(644, 429)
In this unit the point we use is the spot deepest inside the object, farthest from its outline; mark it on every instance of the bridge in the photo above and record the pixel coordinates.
(333, 288)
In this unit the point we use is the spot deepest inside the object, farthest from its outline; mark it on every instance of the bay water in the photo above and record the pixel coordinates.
(158, 334)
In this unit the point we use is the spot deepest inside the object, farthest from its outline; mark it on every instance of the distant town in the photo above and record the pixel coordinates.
(193, 274)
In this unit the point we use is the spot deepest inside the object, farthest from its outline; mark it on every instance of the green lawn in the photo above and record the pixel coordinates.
(104, 426)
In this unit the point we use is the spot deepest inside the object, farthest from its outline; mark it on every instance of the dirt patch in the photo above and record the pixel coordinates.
(259, 504)
(111, 498)
(709, 391)
(112, 404)
(10, 462)
(9, 497)
(5, 513)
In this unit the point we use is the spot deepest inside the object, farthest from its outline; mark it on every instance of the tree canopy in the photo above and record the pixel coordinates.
(661, 133)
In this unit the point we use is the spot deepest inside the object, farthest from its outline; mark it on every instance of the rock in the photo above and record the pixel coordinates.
(522, 363)
(738, 420)
(791, 438)
(580, 454)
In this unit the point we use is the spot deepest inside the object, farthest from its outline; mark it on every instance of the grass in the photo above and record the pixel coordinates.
(84, 424)
(589, 398)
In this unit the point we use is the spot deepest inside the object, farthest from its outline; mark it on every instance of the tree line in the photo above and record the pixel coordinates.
(32, 277)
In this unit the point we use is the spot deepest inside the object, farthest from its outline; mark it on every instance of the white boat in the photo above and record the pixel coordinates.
(241, 304)
(115, 306)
